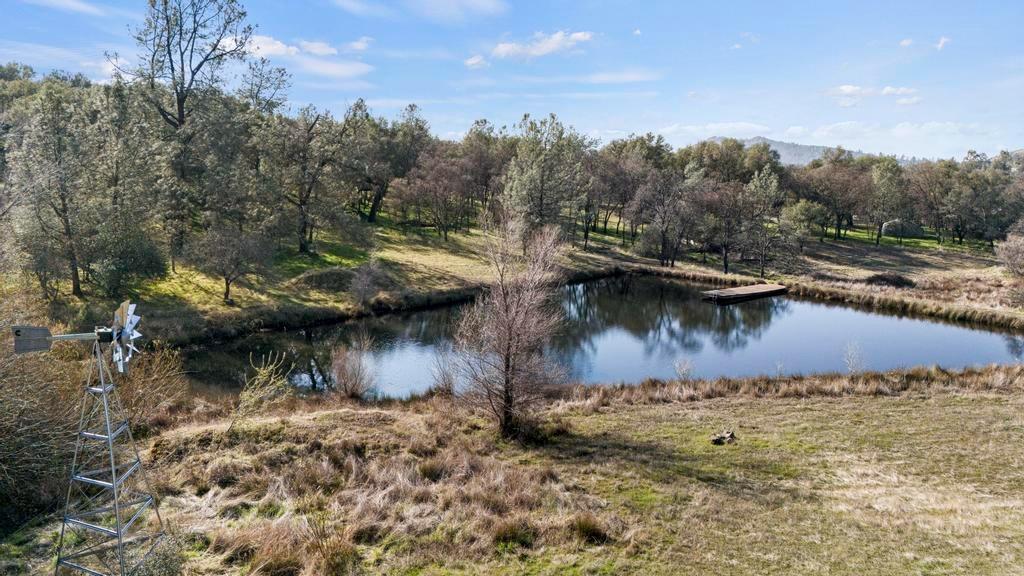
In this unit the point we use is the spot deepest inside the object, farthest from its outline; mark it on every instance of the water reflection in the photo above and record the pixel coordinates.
(628, 329)
(668, 319)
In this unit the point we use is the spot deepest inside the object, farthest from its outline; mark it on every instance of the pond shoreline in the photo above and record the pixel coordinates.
(265, 319)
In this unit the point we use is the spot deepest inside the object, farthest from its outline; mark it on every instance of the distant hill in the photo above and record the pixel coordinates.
(790, 152)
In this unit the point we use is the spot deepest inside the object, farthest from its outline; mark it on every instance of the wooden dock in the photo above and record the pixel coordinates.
(743, 293)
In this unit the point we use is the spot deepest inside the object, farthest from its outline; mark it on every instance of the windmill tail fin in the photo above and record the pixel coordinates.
(31, 339)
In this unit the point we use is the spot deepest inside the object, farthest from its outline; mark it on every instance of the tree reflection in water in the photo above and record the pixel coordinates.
(668, 317)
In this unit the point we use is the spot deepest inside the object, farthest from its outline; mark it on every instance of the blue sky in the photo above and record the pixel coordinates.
(930, 79)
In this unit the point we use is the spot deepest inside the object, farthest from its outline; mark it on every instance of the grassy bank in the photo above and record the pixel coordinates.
(910, 472)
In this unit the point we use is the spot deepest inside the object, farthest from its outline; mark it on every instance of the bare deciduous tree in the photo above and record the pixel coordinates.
(183, 45)
(440, 185)
(230, 255)
(500, 341)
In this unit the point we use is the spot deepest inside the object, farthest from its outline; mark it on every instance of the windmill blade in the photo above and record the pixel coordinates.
(133, 321)
(31, 339)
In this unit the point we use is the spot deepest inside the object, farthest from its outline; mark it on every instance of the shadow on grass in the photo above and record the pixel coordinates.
(740, 472)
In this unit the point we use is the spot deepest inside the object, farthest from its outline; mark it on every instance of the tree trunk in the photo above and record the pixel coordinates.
(378, 199)
(839, 224)
(878, 236)
(725, 259)
(303, 231)
(227, 289)
(72, 253)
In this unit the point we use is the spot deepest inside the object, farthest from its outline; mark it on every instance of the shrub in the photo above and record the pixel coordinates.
(350, 370)
(125, 253)
(166, 559)
(268, 385)
(367, 280)
(38, 399)
(1011, 254)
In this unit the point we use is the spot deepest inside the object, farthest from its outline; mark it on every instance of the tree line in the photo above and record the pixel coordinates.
(181, 158)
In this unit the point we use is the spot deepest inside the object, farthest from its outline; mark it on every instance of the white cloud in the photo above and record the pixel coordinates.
(751, 37)
(317, 48)
(455, 11)
(733, 129)
(475, 62)
(541, 44)
(796, 131)
(317, 64)
(909, 101)
(79, 6)
(270, 46)
(847, 102)
(906, 42)
(365, 8)
(942, 42)
(637, 32)
(736, 46)
(359, 44)
(332, 68)
(850, 90)
(898, 91)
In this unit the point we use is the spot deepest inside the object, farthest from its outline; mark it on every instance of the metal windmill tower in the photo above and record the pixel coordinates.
(111, 522)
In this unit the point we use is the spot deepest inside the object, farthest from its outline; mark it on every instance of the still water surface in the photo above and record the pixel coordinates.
(629, 328)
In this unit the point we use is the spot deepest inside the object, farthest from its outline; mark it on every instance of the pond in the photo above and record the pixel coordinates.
(629, 328)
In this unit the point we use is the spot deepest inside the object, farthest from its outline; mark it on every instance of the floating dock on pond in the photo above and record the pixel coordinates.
(743, 293)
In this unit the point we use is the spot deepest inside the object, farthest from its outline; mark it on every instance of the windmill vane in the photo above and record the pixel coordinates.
(106, 474)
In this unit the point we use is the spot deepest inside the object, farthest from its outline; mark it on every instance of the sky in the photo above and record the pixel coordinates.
(916, 78)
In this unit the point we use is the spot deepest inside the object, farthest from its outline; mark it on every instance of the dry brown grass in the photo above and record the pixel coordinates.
(362, 477)
(998, 379)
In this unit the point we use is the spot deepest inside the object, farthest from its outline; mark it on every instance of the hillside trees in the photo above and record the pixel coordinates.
(382, 151)
(888, 194)
(837, 183)
(544, 181)
(183, 47)
(765, 198)
(305, 154)
(669, 200)
(49, 166)
(803, 221)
